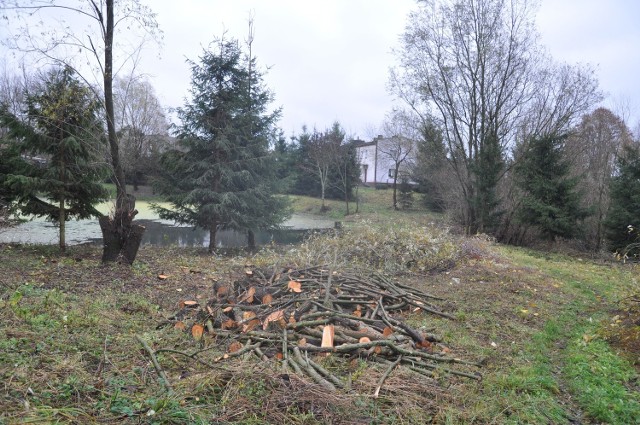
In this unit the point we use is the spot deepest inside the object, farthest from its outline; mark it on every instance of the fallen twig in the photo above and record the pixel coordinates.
(164, 380)
(385, 375)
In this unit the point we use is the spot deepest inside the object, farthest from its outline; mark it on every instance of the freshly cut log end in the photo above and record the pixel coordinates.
(328, 334)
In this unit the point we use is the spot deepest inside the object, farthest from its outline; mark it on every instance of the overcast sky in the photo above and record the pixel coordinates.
(329, 59)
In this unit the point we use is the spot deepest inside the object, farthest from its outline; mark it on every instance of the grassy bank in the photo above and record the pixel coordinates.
(539, 323)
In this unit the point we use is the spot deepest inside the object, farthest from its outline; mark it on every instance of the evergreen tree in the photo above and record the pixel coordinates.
(486, 169)
(550, 202)
(324, 159)
(11, 163)
(305, 181)
(222, 175)
(430, 169)
(285, 161)
(623, 220)
(62, 136)
(345, 175)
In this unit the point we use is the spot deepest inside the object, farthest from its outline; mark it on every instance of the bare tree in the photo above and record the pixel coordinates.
(13, 89)
(347, 170)
(400, 147)
(77, 34)
(323, 148)
(593, 150)
(141, 123)
(476, 68)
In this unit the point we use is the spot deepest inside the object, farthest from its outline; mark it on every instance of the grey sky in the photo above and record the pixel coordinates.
(329, 59)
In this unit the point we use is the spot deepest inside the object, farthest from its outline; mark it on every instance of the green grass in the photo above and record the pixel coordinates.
(598, 378)
(68, 352)
(373, 203)
(144, 193)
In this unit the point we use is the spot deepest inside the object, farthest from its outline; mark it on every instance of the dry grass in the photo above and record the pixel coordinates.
(68, 352)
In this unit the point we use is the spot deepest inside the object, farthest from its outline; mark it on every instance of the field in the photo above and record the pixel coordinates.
(557, 335)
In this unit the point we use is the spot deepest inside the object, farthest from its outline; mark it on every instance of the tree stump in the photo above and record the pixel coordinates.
(121, 238)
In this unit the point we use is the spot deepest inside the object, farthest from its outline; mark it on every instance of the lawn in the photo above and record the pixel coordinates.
(556, 334)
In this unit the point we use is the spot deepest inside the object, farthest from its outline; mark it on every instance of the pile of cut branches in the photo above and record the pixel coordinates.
(296, 316)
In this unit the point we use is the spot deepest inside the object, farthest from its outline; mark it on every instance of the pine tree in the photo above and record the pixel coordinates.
(550, 202)
(222, 175)
(623, 220)
(64, 132)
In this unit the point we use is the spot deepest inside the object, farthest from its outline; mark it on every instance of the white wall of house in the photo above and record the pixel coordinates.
(375, 166)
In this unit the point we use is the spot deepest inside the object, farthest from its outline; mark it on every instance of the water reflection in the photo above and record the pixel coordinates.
(162, 233)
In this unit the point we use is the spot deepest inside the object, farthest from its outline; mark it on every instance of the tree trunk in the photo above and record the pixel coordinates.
(121, 238)
(61, 212)
(135, 181)
(322, 185)
(395, 187)
(212, 238)
(251, 240)
(62, 220)
(116, 230)
(346, 199)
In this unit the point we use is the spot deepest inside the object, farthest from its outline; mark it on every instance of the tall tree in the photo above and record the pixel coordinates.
(63, 131)
(550, 202)
(432, 171)
(346, 171)
(305, 180)
(285, 162)
(63, 39)
(399, 148)
(474, 66)
(322, 150)
(12, 101)
(142, 126)
(593, 150)
(222, 175)
(623, 219)
(11, 163)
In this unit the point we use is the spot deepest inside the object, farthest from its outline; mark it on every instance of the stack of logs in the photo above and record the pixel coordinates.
(296, 315)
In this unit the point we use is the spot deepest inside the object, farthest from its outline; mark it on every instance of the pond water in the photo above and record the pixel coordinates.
(160, 232)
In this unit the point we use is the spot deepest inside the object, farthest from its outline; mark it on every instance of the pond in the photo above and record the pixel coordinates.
(160, 232)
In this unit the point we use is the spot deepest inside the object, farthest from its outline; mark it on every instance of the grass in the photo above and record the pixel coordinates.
(376, 204)
(144, 193)
(539, 323)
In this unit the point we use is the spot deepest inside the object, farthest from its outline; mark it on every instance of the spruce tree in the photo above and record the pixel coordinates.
(222, 175)
(550, 201)
(623, 220)
(430, 169)
(61, 139)
(486, 169)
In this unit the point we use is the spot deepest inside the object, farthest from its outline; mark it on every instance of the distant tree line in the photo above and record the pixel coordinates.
(509, 141)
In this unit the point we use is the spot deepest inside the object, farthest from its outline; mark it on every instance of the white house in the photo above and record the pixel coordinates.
(378, 159)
